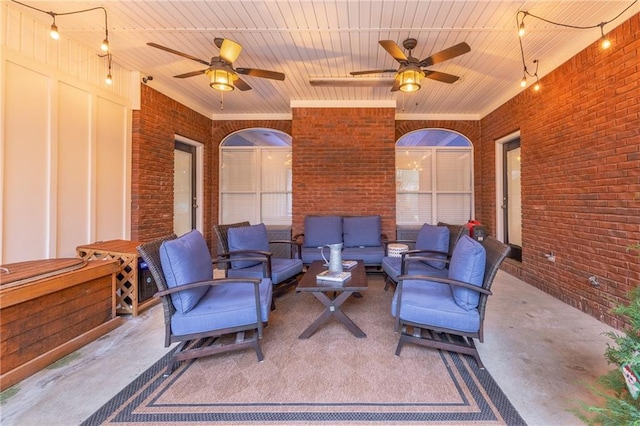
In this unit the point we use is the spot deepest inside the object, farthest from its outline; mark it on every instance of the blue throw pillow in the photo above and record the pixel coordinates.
(467, 265)
(247, 238)
(321, 230)
(362, 231)
(434, 238)
(186, 260)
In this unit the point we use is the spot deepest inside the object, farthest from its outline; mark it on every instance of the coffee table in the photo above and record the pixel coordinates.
(309, 283)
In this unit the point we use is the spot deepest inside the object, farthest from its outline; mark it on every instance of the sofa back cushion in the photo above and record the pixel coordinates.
(252, 237)
(321, 230)
(186, 260)
(434, 238)
(468, 262)
(362, 231)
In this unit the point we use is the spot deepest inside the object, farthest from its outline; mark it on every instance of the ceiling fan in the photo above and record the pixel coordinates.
(411, 70)
(220, 69)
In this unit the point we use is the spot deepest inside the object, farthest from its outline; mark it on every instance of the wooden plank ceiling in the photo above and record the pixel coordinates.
(328, 39)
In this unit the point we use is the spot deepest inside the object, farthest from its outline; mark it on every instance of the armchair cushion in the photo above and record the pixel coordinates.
(467, 265)
(321, 230)
(248, 238)
(362, 231)
(186, 260)
(434, 238)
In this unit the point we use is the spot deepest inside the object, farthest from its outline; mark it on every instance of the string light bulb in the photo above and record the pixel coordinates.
(53, 32)
(523, 82)
(521, 30)
(109, 80)
(604, 41)
(105, 45)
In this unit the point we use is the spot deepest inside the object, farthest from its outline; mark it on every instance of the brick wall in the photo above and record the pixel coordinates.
(153, 141)
(580, 146)
(343, 163)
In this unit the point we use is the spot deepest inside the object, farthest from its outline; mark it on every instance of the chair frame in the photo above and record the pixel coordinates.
(226, 256)
(441, 338)
(196, 345)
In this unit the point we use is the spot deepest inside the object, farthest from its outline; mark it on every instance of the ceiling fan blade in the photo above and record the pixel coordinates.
(372, 72)
(175, 52)
(446, 54)
(253, 72)
(229, 49)
(241, 84)
(190, 74)
(393, 49)
(441, 76)
(396, 86)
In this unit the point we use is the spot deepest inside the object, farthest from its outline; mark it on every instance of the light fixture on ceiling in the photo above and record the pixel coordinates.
(104, 46)
(109, 79)
(409, 79)
(221, 79)
(604, 41)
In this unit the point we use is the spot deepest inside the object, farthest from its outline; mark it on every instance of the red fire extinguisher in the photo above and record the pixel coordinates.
(476, 230)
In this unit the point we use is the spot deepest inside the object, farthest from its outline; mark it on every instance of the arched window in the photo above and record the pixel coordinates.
(255, 177)
(434, 178)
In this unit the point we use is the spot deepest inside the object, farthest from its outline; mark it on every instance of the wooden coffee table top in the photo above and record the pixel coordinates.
(358, 281)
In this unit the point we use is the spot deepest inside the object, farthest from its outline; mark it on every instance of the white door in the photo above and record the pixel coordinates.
(184, 188)
(512, 200)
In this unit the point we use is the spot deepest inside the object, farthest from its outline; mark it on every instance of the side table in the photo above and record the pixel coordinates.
(126, 292)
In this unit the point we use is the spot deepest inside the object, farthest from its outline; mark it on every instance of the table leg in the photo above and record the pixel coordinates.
(332, 310)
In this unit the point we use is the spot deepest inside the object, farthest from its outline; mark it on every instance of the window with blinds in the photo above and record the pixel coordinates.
(255, 177)
(434, 178)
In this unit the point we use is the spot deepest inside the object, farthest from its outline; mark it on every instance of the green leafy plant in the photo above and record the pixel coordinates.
(619, 407)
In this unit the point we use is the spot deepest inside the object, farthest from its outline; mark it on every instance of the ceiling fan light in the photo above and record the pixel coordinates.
(410, 80)
(221, 80)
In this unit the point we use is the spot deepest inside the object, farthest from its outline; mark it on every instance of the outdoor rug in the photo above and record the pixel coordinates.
(332, 378)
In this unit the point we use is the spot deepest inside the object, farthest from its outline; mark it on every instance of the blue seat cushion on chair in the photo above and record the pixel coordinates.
(309, 254)
(281, 270)
(468, 262)
(253, 237)
(434, 238)
(186, 260)
(321, 230)
(362, 231)
(431, 304)
(227, 305)
(369, 255)
(392, 266)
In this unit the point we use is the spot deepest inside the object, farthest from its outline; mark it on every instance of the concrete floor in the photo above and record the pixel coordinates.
(539, 350)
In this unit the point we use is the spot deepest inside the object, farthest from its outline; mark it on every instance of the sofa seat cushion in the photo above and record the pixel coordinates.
(321, 230)
(253, 237)
(369, 255)
(281, 270)
(432, 304)
(468, 262)
(362, 231)
(186, 260)
(434, 238)
(392, 266)
(222, 306)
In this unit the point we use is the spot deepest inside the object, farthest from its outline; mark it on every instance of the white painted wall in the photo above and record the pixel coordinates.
(65, 140)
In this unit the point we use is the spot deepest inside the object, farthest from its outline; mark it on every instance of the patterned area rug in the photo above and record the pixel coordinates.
(331, 378)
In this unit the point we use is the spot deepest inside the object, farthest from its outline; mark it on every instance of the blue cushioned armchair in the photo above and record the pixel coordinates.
(435, 242)
(198, 308)
(447, 312)
(242, 240)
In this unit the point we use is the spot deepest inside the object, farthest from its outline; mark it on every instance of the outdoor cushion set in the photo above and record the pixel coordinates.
(361, 237)
(435, 291)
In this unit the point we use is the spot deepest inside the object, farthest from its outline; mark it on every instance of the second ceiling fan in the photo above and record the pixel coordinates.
(411, 71)
(223, 76)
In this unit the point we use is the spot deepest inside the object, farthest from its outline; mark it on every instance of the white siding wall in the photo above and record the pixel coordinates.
(65, 144)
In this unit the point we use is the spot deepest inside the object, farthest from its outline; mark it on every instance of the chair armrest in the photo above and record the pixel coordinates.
(265, 259)
(442, 280)
(413, 256)
(296, 247)
(209, 283)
